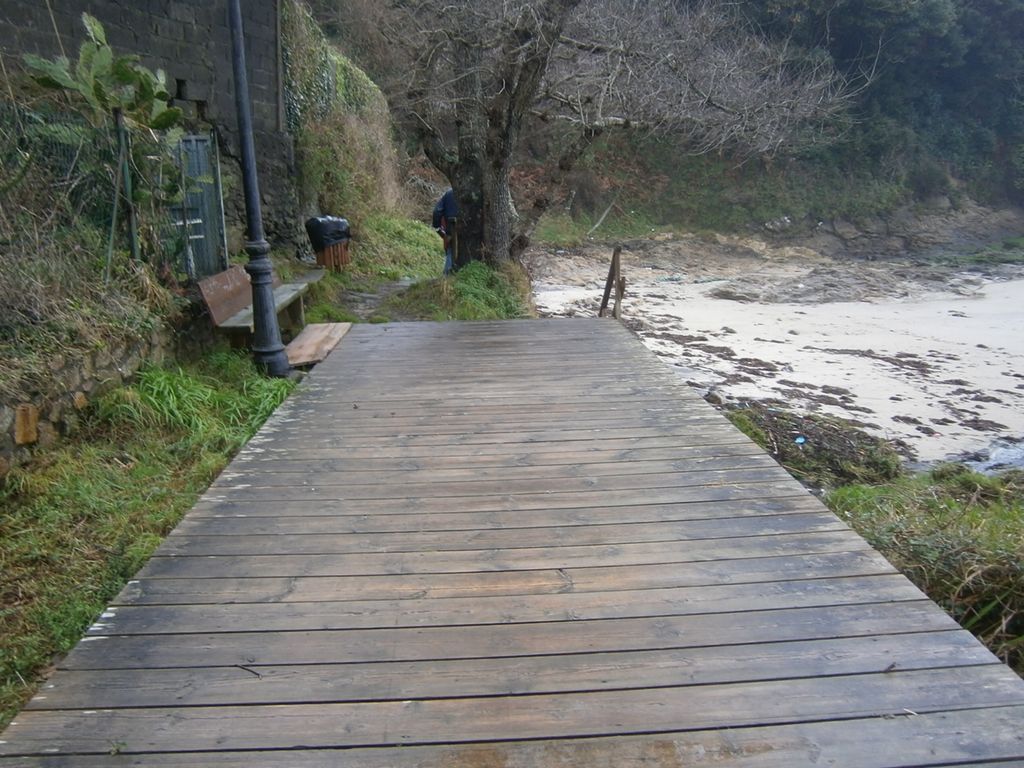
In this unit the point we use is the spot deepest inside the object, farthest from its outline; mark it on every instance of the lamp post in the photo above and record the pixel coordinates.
(267, 349)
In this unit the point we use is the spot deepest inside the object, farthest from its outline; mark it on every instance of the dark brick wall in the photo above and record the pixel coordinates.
(190, 41)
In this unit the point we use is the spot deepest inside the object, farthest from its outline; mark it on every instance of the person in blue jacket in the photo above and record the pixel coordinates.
(446, 213)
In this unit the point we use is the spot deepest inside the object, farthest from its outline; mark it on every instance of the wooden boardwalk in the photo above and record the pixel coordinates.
(515, 545)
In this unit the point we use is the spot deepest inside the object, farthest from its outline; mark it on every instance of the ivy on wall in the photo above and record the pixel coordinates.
(341, 123)
(319, 79)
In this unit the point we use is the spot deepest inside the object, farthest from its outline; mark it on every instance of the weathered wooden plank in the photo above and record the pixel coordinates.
(399, 681)
(548, 473)
(503, 609)
(315, 342)
(226, 293)
(368, 411)
(537, 716)
(283, 296)
(337, 423)
(198, 545)
(521, 438)
(498, 560)
(234, 489)
(395, 470)
(414, 643)
(737, 491)
(259, 589)
(933, 739)
(266, 449)
(242, 524)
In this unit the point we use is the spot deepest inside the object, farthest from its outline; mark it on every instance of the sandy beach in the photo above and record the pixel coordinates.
(930, 356)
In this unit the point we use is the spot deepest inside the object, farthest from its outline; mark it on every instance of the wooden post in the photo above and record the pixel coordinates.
(613, 271)
(620, 291)
(454, 224)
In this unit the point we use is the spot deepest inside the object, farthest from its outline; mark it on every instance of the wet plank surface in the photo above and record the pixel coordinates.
(515, 544)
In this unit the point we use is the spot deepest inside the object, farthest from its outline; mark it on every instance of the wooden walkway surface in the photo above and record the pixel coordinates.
(513, 545)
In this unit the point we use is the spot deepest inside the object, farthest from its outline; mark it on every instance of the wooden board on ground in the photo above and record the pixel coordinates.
(523, 544)
(315, 342)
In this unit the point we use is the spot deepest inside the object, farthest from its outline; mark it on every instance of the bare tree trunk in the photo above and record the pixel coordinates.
(487, 216)
(502, 218)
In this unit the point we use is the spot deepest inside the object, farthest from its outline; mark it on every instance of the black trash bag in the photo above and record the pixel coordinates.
(327, 230)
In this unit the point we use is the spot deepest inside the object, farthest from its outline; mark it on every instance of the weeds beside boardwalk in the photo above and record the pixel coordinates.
(475, 292)
(83, 519)
(957, 534)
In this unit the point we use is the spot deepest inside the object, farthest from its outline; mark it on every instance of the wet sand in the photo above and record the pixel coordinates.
(931, 357)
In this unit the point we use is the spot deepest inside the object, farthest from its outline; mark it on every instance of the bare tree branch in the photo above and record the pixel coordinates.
(476, 70)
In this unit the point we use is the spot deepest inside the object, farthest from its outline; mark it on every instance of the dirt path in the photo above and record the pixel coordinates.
(928, 355)
(367, 304)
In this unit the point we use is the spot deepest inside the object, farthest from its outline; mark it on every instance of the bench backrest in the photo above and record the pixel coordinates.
(227, 293)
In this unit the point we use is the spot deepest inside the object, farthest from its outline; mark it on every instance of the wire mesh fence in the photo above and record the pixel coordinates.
(57, 169)
(54, 165)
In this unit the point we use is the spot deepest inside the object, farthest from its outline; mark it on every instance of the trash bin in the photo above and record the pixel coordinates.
(329, 236)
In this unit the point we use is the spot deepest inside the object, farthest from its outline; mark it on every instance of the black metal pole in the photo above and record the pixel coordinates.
(267, 349)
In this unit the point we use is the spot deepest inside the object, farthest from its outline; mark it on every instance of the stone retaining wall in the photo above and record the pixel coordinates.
(43, 419)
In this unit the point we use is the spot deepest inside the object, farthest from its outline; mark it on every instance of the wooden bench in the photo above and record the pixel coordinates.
(228, 297)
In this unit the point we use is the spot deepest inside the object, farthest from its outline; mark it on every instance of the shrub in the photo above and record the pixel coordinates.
(959, 536)
(928, 178)
(475, 292)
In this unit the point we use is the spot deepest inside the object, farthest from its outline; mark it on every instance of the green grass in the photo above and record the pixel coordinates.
(959, 536)
(560, 229)
(323, 303)
(83, 518)
(475, 292)
(389, 247)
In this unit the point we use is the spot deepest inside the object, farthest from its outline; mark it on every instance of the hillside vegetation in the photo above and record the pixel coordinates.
(938, 116)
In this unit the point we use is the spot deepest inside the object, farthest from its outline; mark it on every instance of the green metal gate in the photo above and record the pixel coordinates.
(200, 217)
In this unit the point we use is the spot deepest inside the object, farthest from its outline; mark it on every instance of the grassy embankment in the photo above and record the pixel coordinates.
(957, 534)
(83, 518)
(349, 166)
